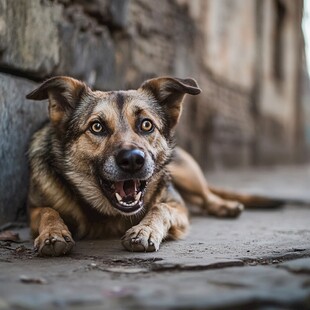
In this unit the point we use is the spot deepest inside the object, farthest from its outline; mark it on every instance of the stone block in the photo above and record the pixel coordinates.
(301, 266)
(52, 39)
(31, 45)
(87, 51)
(223, 124)
(109, 12)
(19, 119)
(226, 37)
(162, 37)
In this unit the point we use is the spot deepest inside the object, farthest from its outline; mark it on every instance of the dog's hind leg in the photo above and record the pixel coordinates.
(53, 236)
(192, 185)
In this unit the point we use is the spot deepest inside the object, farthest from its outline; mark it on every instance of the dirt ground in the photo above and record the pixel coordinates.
(259, 261)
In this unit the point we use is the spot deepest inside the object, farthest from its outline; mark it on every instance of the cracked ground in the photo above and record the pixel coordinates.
(259, 261)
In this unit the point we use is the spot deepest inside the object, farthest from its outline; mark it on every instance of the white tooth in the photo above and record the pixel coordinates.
(138, 196)
(128, 204)
(118, 197)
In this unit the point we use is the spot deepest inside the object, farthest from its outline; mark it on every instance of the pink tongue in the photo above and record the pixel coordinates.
(126, 188)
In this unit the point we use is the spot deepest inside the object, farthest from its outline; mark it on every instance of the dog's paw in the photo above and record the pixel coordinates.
(54, 242)
(226, 209)
(142, 238)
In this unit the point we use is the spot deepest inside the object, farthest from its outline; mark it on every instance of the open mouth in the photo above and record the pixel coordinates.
(127, 195)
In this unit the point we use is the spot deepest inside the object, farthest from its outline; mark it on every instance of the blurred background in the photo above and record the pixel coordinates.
(248, 56)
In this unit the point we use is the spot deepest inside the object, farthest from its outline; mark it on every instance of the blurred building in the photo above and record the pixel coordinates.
(246, 56)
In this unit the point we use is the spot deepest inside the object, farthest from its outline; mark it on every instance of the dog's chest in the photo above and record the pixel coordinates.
(94, 225)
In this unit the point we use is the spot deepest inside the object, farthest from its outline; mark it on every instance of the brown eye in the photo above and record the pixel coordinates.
(96, 127)
(147, 125)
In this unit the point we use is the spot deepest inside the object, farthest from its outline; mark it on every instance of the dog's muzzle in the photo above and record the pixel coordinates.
(126, 194)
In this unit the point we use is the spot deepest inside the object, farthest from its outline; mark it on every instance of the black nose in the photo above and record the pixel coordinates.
(130, 160)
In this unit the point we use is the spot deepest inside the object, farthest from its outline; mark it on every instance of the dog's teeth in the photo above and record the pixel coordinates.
(118, 197)
(128, 204)
(138, 196)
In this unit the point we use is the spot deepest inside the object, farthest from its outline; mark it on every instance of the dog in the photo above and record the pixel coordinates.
(106, 165)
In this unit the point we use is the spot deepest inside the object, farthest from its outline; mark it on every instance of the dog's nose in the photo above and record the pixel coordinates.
(130, 160)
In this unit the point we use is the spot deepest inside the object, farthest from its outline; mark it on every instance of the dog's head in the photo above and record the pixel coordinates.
(112, 144)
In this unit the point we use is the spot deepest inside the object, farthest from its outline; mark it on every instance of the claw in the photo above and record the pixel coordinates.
(53, 243)
(141, 239)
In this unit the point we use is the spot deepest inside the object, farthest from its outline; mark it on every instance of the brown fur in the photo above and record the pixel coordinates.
(76, 171)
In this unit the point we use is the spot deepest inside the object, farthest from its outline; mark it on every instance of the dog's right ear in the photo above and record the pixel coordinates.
(169, 93)
(63, 94)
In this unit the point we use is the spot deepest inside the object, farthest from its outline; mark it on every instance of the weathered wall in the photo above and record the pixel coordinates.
(244, 115)
(19, 120)
(305, 118)
(278, 82)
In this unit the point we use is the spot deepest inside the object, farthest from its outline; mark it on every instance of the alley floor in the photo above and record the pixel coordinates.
(260, 260)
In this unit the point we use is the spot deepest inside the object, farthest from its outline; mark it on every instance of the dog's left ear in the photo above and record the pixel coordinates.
(169, 92)
(63, 93)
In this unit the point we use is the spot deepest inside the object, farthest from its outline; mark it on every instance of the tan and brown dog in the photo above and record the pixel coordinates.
(105, 165)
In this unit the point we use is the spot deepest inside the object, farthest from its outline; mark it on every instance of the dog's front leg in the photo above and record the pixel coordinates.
(163, 220)
(54, 237)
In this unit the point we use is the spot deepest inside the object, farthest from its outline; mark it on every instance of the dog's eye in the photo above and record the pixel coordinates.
(146, 125)
(96, 127)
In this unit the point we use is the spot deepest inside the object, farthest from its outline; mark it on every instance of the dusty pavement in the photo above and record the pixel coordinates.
(259, 261)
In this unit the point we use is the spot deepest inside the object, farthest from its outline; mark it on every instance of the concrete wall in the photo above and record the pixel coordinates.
(305, 107)
(249, 111)
(278, 81)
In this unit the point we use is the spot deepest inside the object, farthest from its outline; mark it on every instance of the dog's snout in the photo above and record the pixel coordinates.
(130, 161)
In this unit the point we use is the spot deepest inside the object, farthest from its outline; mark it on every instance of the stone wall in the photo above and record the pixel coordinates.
(278, 84)
(19, 120)
(244, 54)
